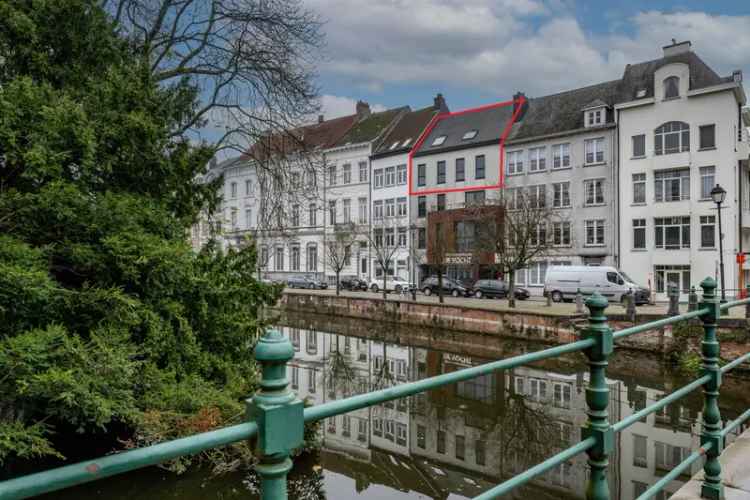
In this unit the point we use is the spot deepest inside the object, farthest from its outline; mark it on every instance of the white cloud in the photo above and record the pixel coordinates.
(501, 46)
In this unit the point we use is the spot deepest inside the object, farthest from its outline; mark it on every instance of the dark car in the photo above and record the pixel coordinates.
(353, 284)
(450, 286)
(496, 289)
(305, 282)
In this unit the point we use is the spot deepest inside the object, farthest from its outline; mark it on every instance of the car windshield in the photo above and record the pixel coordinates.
(625, 276)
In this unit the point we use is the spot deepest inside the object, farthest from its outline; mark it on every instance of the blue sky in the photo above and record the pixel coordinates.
(396, 52)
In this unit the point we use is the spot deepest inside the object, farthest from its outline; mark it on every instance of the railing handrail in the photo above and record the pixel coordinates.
(274, 352)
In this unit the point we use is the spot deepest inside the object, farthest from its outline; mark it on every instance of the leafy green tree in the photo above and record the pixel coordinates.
(106, 314)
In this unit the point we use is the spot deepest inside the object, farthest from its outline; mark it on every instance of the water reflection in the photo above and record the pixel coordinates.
(464, 438)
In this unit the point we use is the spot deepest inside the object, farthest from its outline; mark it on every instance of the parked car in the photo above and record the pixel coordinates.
(498, 289)
(353, 284)
(563, 282)
(393, 283)
(450, 287)
(305, 282)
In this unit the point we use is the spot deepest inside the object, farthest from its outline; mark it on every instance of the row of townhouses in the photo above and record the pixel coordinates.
(628, 164)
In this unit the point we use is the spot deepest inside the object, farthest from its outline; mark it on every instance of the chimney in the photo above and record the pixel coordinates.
(363, 110)
(321, 118)
(737, 76)
(676, 48)
(439, 103)
(517, 97)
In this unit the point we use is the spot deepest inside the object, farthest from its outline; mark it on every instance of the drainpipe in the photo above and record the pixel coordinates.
(618, 222)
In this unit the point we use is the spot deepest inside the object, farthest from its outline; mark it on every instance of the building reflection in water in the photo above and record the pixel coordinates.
(464, 438)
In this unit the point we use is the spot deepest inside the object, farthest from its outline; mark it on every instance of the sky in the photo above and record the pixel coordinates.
(402, 52)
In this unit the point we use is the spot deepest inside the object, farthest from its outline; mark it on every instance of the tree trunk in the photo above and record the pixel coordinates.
(338, 287)
(440, 284)
(385, 280)
(512, 289)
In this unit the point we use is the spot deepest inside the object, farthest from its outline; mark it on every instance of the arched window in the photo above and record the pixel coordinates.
(672, 137)
(312, 257)
(671, 87)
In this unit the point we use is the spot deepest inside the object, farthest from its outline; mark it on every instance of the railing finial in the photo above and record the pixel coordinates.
(711, 488)
(278, 413)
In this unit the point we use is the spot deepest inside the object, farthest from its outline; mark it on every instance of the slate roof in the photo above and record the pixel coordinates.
(409, 126)
(489, 124)
(371, 127)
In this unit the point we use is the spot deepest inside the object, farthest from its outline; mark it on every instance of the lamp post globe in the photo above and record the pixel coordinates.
(718, 195)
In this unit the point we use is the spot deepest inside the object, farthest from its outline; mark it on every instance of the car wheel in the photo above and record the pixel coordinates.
(557, 296)
(398, 289)
(311, 286)
(427, 291)
(374, 288)
(455, 293)
(478, 294)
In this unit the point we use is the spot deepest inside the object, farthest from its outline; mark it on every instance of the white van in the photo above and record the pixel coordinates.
(563, 282)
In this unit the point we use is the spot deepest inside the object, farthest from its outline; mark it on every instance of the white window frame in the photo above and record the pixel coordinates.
(663, 179)
(537, 159)
(515, 162)
(347, 173)
(378, 178)
(561, 194)
(595, 148)
(561, 233)
(661, 224)
(401, 174)
(362, 211)
(641, 226)
(401, 206)
(597, 193)
(363, 171)
(560, 156)
(706, 173)
(595, 229)
(639, 180)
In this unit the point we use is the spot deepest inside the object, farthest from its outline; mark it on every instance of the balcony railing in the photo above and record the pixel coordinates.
(276, 417)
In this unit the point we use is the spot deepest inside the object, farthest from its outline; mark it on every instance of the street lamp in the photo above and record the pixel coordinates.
(718, 194)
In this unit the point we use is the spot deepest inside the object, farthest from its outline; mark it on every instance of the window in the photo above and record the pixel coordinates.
(295, 374)
(311, 380)
(248, 187)
(515, 162)
(421, 238)
(595, 117)
(594, 189)
(515, 198)
(561, 155)
(672, 275)
(561, 233)
(639, 189)
(233, 187)
(401, 202)
(639, 146)
(469, 135)
(537, 159)
(378, 178)
(537, 389)
(594, 232)
(460, 447)
(347, 175)
(473, 198)
(332, 175)
(537, 272)
(332, 212)
(312, 215)
(390, 207)
(708, 231)
(667, 457)
(639, 234)
(460, 170)
(393, 146)
(377, 427)
(537, 196)
(402, 237)
(278, 259)
(439, 140)
(406, 142)
(363, 171)
(672, 233)
(422, 206)
(234, 218)
(248, 218)
(561, 194)
(708, 178)
(312, 258)
(440, 442)
(347, 205)
(295, 215)
(672, 137)
(421, 436)
(441, 202)
(390, 176)
(594, 150)
(707, 136)
(640, 458)
(362, 211)
(479, 171)
(378, 238)
(671, 87)
(377, 209)
(421, 174)
(294, 258)
(401, 174)
(441, 172)
(561, 394)
(672, 185)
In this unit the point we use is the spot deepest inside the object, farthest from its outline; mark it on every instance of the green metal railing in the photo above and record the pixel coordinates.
(276, 417)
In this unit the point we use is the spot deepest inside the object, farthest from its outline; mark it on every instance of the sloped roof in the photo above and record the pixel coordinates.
(596, 103)
(409, 126)
(372, 127)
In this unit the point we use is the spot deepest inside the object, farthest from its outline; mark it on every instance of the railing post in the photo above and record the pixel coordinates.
(630, 307)
(711, 429)
(673, 294)
(579, 302)
(278, 413)
(747, 306)
(597, 398)
(692, 299)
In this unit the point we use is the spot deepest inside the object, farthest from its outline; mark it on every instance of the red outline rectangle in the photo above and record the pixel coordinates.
(430, 126)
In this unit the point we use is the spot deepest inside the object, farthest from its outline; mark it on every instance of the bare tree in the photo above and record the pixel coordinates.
(383, 241)
(417, 256)
(339, 250)
(438, 250)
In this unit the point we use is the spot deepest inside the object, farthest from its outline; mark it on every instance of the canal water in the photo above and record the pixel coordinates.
(460, 440)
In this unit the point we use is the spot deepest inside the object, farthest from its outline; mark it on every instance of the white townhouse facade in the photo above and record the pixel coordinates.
(347, 185)
(681, 133)
(389, 193)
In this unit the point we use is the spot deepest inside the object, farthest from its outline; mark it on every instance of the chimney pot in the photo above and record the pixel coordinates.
(516, 100)
(676, 48)
(320, 118)
(363, 110)
(439, 103)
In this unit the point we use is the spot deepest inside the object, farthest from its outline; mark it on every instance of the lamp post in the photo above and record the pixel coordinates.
(718, 194)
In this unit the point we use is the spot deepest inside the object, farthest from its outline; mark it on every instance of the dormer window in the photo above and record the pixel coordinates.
(406, 142)
(671, 87)
(439, 140)
(393, 146)
(595, 117)
(469, 135)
